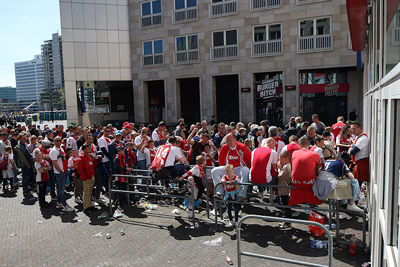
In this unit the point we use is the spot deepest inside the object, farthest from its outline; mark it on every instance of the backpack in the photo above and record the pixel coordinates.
(161, 157)
(4, 164)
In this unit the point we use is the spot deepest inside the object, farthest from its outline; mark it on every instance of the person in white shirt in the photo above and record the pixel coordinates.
(103, 143)
(360, 152)
(274, 133)
(160, 135)
(8, 174)
(71, 141)
(58, 158)
(142, 154)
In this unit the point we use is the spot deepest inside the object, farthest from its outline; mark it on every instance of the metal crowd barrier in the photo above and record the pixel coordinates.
(241, 253)
(331, 202)
(148, 186)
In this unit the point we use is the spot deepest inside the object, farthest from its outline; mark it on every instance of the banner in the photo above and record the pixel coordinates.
(323, 88)
(268, 89)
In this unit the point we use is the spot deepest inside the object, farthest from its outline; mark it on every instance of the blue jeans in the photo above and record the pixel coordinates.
(60, 179)
(105, 169)
(26, 175)
(355, 191)
(141, 165)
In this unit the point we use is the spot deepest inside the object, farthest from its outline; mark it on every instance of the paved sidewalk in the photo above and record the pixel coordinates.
(30, 237)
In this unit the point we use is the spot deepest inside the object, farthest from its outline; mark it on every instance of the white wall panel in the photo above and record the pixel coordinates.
(89, 14)
(77, 16)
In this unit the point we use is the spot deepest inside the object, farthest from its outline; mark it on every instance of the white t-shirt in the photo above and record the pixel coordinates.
(54, 155)
(38, 174)
(280, 146)
(140, 154)
(318, 150)
(174, 155)
(362, 142)
(71, 143)
(273, 158)
(104, 142)
(9, 173)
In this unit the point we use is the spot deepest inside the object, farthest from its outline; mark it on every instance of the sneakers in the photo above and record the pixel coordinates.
(68, 208)
(78, 200)
(285, 226)
(59, 205)
(218, 195)
(99, 201)
(354, 207)
(232, 224)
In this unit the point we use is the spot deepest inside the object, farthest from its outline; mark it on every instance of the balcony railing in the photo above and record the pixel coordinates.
(187, 56)
(224, 52)
(267, 48)
(300, 2)
(151, 20)
(265, 4)
(223, 8)
(186, 14)
(153, 60)
(396, 36)
(314, 43)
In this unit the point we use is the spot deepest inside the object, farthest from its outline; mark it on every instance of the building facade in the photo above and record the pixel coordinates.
(382, 124)
(29, 82)
(8, 99)
(239, 60)
(53, 72)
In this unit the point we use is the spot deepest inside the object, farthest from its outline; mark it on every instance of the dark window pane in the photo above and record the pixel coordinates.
(158, 47)
(147, 48)
(323, 26)
(218, 38)
(191, 3)
(231, 37)
(306, 28)
(259, 34)
(146, 9)
(192, 42)
(156, 6)
(179, 4)
(275, 32)
(181, 43)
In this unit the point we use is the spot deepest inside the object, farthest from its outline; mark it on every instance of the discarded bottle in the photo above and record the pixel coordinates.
(353, 245)
(108, 236)
(122, 232)
(330, 228)
(103, 216)
(228, 260)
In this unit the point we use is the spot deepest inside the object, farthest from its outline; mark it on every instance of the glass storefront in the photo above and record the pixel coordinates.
(269, 97)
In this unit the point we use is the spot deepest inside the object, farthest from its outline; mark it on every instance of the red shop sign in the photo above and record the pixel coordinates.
(322, 88)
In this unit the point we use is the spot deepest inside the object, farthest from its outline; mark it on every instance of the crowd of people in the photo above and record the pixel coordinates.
(311, 157)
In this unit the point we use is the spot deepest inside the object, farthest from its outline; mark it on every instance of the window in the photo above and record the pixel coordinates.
(223, 8)
(152, 52)
(265, 4)
(185, 10)
(151, 13)
(315, 35)
(315, 27)
(273, 32)
(267, 40)
(187, 49)
(225, 44)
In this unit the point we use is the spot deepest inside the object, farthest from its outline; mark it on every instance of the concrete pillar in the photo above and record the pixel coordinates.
(141, 101)
(247, 112)
(71, 102)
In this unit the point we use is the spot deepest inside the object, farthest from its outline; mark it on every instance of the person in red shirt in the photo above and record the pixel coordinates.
(305, 167)
(238, 155)
(120, 167)
(337, 127)
(86, 173)
(292, 146)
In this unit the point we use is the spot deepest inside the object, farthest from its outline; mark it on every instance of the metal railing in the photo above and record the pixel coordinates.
(187, 56)
(224, 52)
(186, 14)
(223, 8)
(150, 20)
(241, 253)
(151, 60)
(267, 48)
(396, 36)
(265, 4)
(314, 43)
(301, 2)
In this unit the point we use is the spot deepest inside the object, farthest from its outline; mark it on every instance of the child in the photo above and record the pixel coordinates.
(130, 154)
(119, 167)
(284, 179)
(73, 172)
(8, 174)
(195, 177)
(86, 175)
(230, 192)
(209, 154)
(152, 150)
(42, 167)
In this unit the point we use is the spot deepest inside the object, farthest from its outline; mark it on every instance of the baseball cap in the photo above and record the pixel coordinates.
(118, 133)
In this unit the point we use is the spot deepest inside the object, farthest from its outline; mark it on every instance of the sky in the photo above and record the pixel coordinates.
(24, 25)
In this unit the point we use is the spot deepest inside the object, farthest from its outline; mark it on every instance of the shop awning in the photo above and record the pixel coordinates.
(323, 88)
(357, 17)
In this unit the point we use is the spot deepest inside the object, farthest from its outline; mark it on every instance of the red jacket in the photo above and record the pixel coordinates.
(241, 156)
(85, 167)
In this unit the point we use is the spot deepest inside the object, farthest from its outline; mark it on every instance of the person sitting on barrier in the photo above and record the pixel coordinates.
(305, 167)
(195, 177)
(231, 192)
(263, 159)
(332, 170)
(152, 152)
(239, 156)
(119, 167)
(284, 179)
(164, 166)
(274, 133)
(292, 146)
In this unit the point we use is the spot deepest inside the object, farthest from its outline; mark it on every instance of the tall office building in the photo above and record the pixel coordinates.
(29, 81)
(8, 99)
(53, 73)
